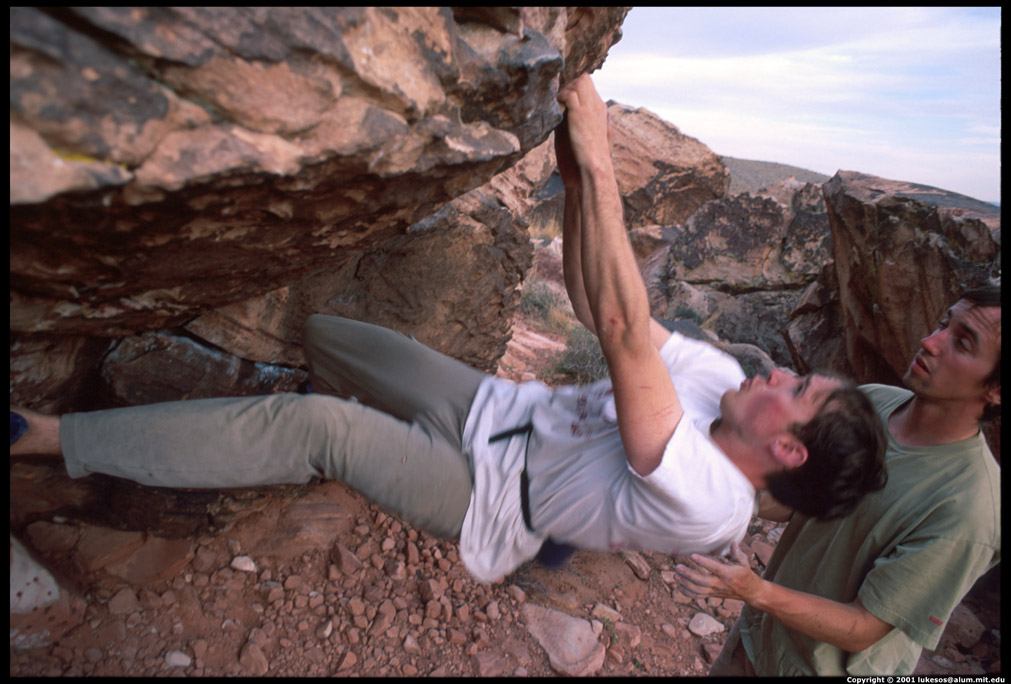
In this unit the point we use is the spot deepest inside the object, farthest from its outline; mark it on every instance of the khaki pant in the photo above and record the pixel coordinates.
(400, 446)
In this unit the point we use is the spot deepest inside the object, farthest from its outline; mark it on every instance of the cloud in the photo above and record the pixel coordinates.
(914, 86)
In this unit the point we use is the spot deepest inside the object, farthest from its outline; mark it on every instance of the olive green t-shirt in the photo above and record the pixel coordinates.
(910, 552)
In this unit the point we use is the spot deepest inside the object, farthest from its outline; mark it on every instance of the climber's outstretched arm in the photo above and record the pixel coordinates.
(615, 296)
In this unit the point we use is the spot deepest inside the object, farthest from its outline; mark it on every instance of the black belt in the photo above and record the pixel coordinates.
(524, 478)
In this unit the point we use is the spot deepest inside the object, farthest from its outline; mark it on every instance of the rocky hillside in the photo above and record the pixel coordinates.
(748, 175)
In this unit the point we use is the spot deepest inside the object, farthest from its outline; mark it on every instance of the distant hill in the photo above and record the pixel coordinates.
(747, 175)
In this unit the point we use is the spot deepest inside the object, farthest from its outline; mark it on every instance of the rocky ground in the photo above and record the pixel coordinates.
(319, 582)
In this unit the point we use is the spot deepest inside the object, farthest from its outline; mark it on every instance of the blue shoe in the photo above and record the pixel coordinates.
(19, 426)
(554, 554)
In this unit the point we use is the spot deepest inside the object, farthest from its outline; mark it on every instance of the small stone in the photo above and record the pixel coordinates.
(149, 600)
(384, 618)
(124, 602)
(763, 550)
(350, 659)
(490, 664)
(518, 594)
(411, 645)
(243, 564)
(638, 564)
(704, 624)
(204, 560)
(272, 591)
(602, 612)
(345, 559)
(324, 630)
(431, 590)
(629, 635)
(258, 636)
(395, 569)
(253, 660)
(177, 659)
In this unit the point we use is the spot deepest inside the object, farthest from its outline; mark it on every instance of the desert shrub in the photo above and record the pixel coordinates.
(582, 361)
(542, 305)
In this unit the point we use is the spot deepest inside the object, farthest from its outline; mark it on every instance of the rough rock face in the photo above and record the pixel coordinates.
(166, 163)
(903, 253)
(460, 309)
(739, 264)
(663, 175)
(849, 283)
(746, 243)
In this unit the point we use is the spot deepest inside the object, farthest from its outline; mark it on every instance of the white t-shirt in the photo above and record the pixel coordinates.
(582, 490)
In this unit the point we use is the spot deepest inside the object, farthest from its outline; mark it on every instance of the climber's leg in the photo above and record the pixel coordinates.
(392, 372)
(281, 438)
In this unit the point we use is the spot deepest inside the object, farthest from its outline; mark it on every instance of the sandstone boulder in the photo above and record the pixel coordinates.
(903, 252)
(663, 175)
(739, 265)
(405, 284)
(747, 243)
(169, 162)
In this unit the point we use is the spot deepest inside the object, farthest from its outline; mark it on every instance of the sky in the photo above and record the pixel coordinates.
(905, 93)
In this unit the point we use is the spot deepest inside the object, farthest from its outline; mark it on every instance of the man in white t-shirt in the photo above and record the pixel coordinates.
(666, 455)
(668, 452)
